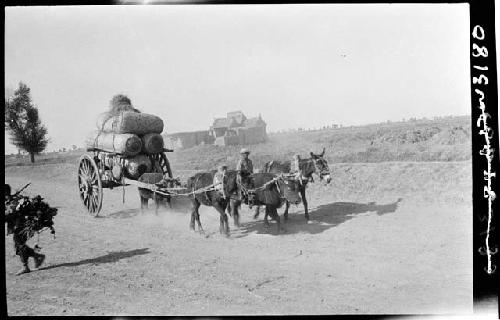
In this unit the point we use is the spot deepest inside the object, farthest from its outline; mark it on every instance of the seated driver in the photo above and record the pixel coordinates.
(244, 169)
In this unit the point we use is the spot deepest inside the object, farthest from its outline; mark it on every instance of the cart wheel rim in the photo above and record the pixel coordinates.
(90, 185)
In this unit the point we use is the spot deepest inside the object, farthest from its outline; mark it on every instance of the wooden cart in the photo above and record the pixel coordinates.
(95, 173)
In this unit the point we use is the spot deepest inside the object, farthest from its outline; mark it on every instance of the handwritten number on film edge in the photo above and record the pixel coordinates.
(479, 52)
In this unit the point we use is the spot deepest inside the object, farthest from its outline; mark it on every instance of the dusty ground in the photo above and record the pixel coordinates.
(383, 238)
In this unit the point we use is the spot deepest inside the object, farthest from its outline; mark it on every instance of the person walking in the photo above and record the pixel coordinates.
(24, 217)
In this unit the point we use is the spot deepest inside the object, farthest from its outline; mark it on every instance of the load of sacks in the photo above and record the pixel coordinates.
(132, 135)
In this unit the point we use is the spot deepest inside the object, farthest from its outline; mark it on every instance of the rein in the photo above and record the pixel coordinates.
(173, 191)
(274, 180)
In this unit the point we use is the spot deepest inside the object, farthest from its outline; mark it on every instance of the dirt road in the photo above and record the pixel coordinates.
(383, 238)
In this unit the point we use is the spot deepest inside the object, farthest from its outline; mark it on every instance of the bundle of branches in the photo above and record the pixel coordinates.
(36, 215)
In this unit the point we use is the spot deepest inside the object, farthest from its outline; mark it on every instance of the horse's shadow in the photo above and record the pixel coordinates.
(107, 258)
(322, 218)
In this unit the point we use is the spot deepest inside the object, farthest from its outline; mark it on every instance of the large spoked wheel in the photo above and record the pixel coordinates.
(90, 185)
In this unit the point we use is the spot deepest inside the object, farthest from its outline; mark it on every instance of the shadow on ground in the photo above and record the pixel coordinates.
(322, 218)
(123, 214)
(107, 258)
(130, 213)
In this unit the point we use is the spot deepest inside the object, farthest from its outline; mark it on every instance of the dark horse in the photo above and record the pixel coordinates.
(210, 197)
(316, 164)
(270, 190)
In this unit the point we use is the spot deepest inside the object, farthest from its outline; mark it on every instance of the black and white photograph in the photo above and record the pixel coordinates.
(212, 160)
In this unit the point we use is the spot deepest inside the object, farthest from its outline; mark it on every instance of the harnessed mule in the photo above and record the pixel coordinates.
(316, 164)
(270, 190)
(211, 197)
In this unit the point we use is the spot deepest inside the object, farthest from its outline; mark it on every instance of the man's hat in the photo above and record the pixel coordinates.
(244, 150)
(222, 166)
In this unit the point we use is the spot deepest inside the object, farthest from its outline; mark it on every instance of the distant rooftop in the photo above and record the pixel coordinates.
(224, 123)
(237, 119)
(254, 122)
(237, 116)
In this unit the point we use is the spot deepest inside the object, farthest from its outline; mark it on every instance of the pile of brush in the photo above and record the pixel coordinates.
(31, 215)
(126, 131)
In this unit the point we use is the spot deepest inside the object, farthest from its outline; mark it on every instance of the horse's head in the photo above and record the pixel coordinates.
(321, 166)
(170, 182)
(290, 187)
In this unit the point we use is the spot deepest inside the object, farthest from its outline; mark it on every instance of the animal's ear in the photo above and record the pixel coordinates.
(323, 153)
(312, 154)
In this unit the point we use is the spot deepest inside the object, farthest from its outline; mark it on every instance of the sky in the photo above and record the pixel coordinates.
(297, 65)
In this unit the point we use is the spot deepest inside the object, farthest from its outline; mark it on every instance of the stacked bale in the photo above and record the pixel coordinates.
(126, 144)
(152, 143)
(133, 135)
(130, 122)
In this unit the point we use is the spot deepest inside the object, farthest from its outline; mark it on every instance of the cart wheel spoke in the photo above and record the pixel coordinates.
(82, 177)
(85, 168)
(95, 201)
(90, 185)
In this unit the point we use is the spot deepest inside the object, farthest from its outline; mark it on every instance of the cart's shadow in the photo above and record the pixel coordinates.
(130, 213)
(107, 258)
(123, 214)
(322, 218)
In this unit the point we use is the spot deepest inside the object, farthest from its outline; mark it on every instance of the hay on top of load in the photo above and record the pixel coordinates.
(123, 129)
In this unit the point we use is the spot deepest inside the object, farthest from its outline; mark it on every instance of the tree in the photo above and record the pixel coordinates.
(23, 123)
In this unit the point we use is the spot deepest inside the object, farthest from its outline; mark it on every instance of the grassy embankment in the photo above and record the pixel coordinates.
(429, 140)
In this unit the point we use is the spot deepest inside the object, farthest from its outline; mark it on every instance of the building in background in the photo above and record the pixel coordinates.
(234, 129)
(184, 140)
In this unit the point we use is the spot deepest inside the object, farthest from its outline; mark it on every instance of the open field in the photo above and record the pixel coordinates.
(422, 140)
(384, 237)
